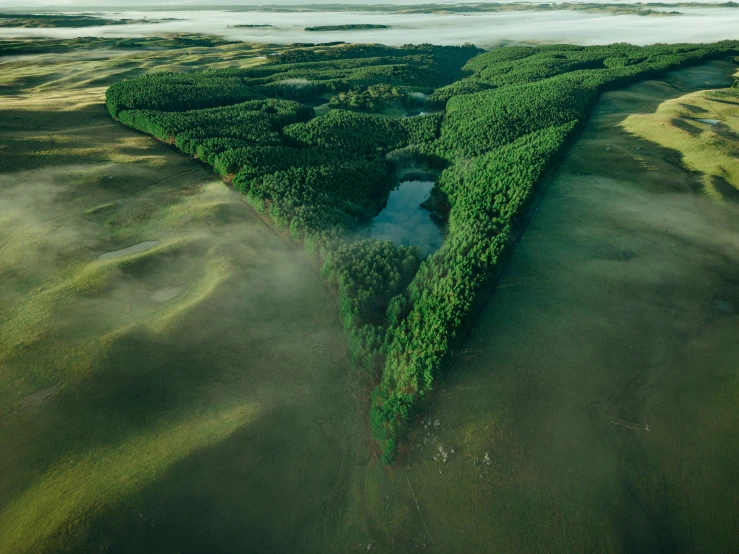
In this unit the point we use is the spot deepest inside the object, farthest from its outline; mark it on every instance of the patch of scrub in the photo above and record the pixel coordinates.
(135, 249)
(165, 295)
(405, 222)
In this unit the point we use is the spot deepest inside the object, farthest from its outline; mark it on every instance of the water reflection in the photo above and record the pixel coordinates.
(404, 221)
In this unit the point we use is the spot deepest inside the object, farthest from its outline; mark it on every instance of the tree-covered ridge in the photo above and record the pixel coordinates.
(510, 113)
(349, 27)
(520, 65)
(295, 74)
(378, 97)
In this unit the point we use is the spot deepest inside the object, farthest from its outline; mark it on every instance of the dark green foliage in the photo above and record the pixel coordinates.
(369, 275)
(378, 97)
(616, 65)
(509, 116)
(389, 451)
(357, 66)
(364, 134)
(175, 92)
(352, 27)
(201, 42)
(475, 123)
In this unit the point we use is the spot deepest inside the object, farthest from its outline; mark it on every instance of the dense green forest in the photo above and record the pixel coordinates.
(378, 97)
(508, 115)
(352, 27)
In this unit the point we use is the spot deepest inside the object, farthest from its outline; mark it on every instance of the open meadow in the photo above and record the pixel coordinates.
(191, 395)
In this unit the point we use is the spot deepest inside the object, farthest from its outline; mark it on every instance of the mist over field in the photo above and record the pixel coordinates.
(482, 29)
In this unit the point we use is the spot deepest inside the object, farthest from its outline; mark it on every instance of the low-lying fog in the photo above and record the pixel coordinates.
(199, 4)
(696, 25)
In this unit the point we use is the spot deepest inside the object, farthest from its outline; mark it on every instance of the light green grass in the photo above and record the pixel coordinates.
(710, 149)
(91, 483)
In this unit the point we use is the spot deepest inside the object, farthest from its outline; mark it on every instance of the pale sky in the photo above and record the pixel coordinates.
(103, 4)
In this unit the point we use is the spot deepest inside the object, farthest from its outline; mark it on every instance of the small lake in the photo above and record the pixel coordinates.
(405, 222)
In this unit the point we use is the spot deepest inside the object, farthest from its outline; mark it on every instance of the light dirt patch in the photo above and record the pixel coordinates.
(135, 249)
(165, 295)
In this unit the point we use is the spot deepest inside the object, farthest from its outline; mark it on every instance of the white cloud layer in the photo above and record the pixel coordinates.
(697, 25)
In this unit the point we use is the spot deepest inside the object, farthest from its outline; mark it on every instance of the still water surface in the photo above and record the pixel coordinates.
(404, 221)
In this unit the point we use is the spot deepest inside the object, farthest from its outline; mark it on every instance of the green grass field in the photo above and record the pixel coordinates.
(142, 391)
(704, 128)
(195, 396)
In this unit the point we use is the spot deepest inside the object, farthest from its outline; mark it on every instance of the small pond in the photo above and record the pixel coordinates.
(405, 222)
(709, 121)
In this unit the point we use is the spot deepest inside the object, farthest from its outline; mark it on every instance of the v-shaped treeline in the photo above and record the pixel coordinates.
(508, 115)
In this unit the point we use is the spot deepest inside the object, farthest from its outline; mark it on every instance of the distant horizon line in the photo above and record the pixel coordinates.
(198, 5)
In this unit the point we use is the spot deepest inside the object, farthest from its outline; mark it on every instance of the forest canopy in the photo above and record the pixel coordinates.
(352, 27)
(504, 118)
